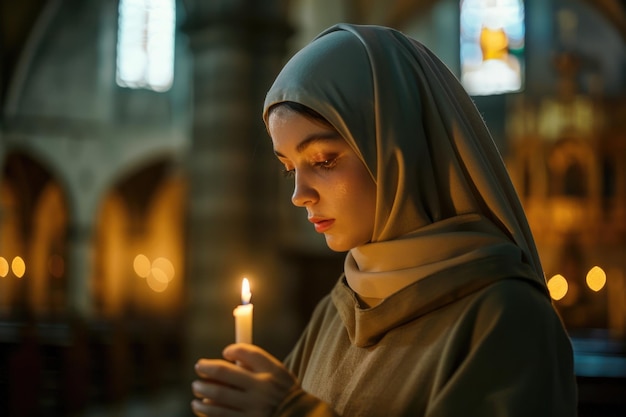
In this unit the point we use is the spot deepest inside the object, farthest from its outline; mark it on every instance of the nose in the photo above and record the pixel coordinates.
(303, 192)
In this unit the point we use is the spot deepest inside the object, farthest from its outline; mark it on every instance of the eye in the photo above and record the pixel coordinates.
(326, 164)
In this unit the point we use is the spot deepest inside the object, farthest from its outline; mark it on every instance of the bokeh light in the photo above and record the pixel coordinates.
(596, 278)
(158, 273)
(156, 284)
(4, 267)
(18, 266)
(141, 265)
(165, 267)
(557, 285)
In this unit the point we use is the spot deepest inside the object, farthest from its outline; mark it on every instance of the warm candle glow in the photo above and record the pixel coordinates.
(243, 315)
(245, 291)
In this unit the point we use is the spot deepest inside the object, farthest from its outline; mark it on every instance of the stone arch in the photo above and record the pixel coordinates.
(11, 243)
(34, 225)
(142, 214)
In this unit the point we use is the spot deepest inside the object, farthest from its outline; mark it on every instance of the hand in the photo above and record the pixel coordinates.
(253, 386)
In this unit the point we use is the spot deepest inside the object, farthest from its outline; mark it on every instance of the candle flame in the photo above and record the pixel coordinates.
(245, 291)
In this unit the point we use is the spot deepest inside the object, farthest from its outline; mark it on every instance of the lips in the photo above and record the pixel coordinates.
(321, 224)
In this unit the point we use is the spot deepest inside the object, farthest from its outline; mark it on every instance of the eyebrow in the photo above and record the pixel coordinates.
(312, 139)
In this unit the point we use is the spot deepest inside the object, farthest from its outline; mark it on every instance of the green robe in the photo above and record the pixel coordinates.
(447, 345)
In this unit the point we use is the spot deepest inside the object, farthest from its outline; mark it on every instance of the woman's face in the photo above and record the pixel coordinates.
(330, 180)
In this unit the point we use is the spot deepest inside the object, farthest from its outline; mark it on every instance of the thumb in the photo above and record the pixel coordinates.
(252, 357)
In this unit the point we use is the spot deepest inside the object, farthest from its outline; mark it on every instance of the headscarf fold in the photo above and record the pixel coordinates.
(426, 146)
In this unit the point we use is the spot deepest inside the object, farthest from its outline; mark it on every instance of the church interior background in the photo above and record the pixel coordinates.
(138, 186)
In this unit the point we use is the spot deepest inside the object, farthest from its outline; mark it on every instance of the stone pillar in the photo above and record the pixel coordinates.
(79, 271)
(237, 47)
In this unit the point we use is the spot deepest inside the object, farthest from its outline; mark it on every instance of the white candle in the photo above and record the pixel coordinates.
(243, 315)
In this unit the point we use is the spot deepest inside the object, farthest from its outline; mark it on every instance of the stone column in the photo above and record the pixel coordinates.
(79, 269)
(237, 47)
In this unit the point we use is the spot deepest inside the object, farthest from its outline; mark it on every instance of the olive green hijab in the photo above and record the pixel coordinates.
(444, 196)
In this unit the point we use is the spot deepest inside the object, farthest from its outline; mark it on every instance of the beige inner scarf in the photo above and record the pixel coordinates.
(377, 270)
(444, 196)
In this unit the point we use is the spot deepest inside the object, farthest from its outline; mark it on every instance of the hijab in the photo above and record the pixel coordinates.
(444, 197)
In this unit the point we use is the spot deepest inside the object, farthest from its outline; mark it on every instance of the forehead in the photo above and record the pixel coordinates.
(297, 133)
(284, 121)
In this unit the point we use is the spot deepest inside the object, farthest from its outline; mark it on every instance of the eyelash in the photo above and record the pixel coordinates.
(327, 164)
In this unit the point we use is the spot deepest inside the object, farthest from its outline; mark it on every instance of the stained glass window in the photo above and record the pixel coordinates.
(492, 46)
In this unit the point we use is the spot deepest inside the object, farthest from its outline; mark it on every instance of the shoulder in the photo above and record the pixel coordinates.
(513, 296)
(518, 309)
(511, 352)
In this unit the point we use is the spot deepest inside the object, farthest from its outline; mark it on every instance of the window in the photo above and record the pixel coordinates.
(145, 46)
(492, 46)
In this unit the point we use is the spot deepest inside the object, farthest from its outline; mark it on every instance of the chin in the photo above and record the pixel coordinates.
(337, 245)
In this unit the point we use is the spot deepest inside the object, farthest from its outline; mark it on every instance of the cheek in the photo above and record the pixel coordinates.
(361, 196)
(368, 201)
(341, 191)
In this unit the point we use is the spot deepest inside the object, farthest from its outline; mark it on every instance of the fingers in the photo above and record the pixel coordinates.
(209, 390)
(252, 356)
(207, 408)
(263, 365)
(220, 390)
(249, 380)
(222, 372)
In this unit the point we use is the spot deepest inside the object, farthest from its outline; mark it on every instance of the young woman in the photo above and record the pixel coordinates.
(443, 308)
